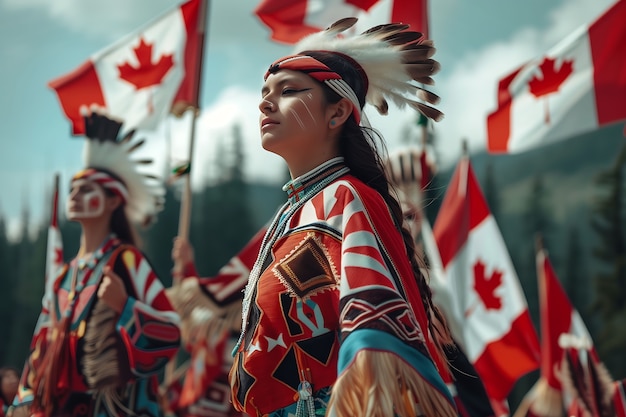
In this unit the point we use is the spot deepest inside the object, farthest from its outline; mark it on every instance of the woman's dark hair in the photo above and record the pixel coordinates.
(361, 153)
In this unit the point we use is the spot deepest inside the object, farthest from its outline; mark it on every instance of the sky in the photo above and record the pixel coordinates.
(477, 42)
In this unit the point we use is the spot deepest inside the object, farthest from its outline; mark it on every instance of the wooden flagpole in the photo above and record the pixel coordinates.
(185, 205)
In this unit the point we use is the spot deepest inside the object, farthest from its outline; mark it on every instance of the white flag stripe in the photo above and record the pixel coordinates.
(560, 114)
(138, 107)
(483, 325)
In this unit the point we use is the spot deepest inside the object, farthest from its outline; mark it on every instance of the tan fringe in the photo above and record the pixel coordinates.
(101, 365)
(380, 384)
(23, 410)
(201, 318)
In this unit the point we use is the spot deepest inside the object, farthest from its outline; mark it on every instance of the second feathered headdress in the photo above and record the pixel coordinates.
(105, 154)
(393, 59)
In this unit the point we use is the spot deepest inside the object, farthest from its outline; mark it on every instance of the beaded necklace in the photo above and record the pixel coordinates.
(322, 176)
(78, 264)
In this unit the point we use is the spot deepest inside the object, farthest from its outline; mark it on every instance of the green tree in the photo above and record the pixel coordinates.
(157, 240)
(30, 260)
(536, 219)
(609, 223)
(8, 281)
(574, 282)
(490, 190)
(222, 218)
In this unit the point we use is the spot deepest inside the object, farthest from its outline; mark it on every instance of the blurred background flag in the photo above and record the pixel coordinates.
(498, 335)
(578, 86)
(54, 252)
(291, 20)
(144, 75)
(558, 317)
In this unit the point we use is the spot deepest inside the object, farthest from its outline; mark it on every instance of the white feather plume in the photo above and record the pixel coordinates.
(145, 192)
(394, 58)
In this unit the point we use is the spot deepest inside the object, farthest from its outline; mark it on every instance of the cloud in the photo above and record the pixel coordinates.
(111, 19)
(231, 21)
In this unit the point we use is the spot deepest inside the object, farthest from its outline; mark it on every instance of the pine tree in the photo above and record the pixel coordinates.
(222, 220)
(157, 240)
(8, 280)
(609, 222)
(536, 219)
(575, 284)
(491, 191)
(28, 290)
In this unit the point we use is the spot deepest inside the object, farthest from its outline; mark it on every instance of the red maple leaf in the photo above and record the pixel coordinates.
(58, 256)
(147, 73)
(486, 286)
(550, 80)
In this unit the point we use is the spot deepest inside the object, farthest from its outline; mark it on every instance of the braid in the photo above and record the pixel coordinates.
(359, 147)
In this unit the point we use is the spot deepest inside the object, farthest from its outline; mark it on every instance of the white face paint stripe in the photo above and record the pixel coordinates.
(297, 117)
(306, 107)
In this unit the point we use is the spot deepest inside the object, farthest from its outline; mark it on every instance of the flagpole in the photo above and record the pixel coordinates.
(185, 204)
(48, 278)
(171, 370)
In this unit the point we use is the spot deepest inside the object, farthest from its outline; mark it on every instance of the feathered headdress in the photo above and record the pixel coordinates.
(108, 161)
(390, 56)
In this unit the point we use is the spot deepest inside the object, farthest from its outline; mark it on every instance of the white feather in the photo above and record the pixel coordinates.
(386, 64)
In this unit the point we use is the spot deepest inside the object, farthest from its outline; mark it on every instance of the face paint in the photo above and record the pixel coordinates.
(309, 96)
(86, 200)
(296, 116)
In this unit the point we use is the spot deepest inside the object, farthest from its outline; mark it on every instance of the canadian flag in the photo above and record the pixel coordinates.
(143, 76)
(496, 331)
(558, 317)
(559, 320)
(578, 86)
(291, 20)
(54, 252)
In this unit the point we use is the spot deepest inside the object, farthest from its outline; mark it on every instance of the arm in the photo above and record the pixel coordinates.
(148, 325)
(183, 256)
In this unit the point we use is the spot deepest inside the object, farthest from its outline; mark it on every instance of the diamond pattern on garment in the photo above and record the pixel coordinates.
(306, 270)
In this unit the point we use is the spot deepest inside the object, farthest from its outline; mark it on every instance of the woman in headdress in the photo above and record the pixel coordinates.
(107, 329)
(337, 317)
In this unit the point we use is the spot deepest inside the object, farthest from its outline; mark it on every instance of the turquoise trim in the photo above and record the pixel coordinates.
(367, 339)
(127, 313)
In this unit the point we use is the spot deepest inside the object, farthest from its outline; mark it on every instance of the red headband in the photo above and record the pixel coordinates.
(320, 72)
(103, 179)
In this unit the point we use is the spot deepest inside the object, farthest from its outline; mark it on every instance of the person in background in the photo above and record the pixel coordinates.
(108, 329)
(9, 379)
(210, 312)
(337, 316)
(411, 172)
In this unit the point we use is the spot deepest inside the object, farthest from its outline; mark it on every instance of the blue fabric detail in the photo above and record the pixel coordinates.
(127, 313)
(368, 339)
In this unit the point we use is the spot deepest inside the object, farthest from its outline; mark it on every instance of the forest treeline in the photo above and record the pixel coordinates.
(573, 193)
